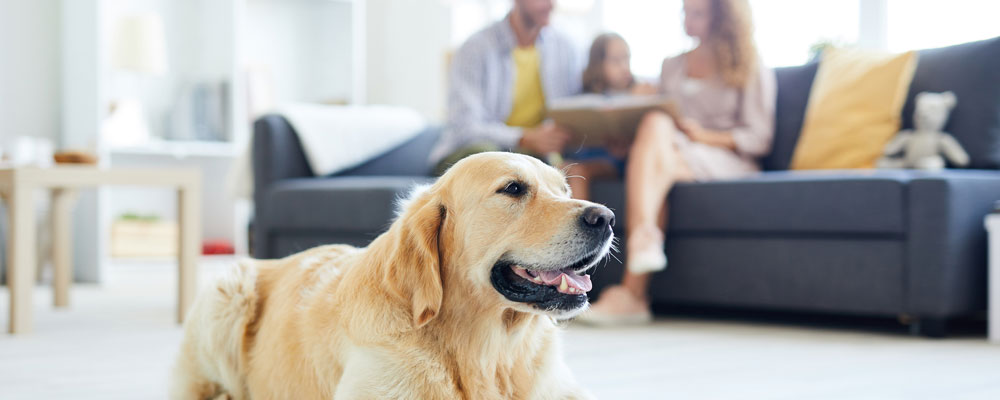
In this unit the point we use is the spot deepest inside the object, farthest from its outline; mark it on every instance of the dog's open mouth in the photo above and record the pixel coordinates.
(548, 289)
(565, 280)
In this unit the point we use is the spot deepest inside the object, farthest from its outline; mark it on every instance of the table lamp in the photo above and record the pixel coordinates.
(140, 50)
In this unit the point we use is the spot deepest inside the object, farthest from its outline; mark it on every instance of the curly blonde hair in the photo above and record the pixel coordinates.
(731, 41)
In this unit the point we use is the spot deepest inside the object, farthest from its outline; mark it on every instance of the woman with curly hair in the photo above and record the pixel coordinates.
(727, 98)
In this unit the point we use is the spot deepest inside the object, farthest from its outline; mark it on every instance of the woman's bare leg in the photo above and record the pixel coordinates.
(653, 167)
(638, 284)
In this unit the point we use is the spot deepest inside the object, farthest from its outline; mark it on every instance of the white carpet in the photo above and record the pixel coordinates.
(117, 342)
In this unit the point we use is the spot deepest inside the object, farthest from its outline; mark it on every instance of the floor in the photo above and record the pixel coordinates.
(117, 342)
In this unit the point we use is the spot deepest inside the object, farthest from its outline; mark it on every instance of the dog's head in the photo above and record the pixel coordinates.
(500, 228)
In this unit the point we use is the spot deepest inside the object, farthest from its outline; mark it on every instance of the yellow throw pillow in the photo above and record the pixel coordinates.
(854, 108)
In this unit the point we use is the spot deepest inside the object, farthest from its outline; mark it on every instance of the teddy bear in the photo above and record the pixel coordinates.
(922, 147)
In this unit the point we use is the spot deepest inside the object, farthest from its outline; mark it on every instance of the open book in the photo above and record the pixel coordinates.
(593, 119)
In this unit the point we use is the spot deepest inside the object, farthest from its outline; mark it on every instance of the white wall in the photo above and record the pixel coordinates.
(200, 40)
(408, 44)
(302, 44)
(83, 106)
(29, 68)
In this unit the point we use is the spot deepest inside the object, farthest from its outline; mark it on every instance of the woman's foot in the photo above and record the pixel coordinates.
(617, 306)
(645, 250)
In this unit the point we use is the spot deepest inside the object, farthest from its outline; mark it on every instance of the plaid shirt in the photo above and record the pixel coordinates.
(481, 85)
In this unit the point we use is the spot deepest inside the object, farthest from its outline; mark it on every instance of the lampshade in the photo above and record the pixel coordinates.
(140, 45)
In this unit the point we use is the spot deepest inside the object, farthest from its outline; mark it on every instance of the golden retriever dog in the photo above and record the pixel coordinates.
(457, 300)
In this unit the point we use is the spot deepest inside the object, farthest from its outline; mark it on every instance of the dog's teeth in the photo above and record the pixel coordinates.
(538, 279)
(563, 286)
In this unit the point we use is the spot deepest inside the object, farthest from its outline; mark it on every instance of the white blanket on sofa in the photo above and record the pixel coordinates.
(335, 138)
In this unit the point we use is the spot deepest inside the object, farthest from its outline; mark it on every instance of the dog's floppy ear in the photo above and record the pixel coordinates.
(414, 271)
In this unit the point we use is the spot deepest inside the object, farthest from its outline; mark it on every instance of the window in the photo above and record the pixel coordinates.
(654, 29)
(470, 16)
(922, 24)
(786, 30)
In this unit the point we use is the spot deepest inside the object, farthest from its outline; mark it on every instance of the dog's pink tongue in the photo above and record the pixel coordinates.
(581, 283)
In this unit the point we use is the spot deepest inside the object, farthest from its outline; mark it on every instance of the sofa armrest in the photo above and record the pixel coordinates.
(277, 154)
(946, 247)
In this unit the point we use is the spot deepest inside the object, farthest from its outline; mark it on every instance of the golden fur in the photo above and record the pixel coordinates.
(411, 316)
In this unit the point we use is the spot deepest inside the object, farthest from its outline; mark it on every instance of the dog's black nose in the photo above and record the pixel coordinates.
(598, 217)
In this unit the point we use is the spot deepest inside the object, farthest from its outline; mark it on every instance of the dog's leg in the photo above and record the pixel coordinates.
(188, 384)
(557, 382)
(191, 378)
(209, 365)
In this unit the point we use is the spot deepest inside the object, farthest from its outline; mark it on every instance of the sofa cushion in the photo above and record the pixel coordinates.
(343, 204)
(844, 203)
(860, 275)
(781, 202)
(972, 71)
(794, 85)
(854, 108)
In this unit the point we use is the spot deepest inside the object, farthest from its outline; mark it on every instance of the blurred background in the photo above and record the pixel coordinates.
(179, 84)
(187, 77)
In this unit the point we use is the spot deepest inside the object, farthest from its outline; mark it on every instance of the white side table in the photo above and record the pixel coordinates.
(993, 282)
(17, 187)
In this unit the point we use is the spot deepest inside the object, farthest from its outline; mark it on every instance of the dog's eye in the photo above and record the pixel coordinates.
(515, 189)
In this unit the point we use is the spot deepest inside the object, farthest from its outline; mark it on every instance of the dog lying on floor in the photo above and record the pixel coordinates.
(457, 300)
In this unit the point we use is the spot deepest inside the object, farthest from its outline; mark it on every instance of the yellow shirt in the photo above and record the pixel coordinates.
(528, 109)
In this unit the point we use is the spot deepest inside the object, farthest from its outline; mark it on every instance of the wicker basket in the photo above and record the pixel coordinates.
(137, 238)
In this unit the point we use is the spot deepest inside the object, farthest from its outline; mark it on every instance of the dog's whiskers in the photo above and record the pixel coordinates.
(566, 168)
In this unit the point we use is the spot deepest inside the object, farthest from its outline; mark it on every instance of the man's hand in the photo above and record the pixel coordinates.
(544, 139)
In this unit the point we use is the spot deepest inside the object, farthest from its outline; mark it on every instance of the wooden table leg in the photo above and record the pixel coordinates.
(21, 257)
(189, 230)
(62, 242)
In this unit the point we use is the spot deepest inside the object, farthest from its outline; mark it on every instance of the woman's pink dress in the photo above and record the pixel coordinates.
(748, 113)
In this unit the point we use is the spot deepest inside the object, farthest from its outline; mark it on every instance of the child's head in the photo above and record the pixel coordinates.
(608, 67)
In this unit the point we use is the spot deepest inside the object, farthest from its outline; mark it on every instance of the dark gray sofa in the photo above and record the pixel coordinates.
(875, 243)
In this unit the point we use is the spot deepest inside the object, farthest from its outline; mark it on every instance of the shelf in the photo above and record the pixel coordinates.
(180, 149)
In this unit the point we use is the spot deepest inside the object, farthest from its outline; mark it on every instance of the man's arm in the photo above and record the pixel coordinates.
(467, 113)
